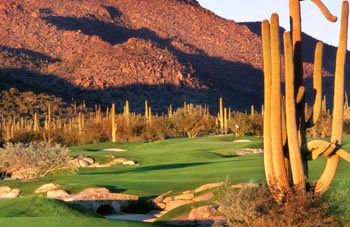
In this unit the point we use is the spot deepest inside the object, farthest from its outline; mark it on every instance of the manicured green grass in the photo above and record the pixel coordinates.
(33, 206)
(37, 212)
(177, 165)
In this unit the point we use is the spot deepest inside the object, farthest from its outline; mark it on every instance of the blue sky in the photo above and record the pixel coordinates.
(313, 22)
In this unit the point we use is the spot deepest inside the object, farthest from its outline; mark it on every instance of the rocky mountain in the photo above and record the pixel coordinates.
(105, 51)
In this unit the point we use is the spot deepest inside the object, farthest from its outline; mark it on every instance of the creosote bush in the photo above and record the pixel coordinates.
(256, 207)
(33, 160)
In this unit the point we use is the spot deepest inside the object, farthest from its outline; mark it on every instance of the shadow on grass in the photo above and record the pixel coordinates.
(151, 168)
(224, 155)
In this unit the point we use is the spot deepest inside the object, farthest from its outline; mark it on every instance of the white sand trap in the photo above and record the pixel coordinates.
(243, 153)
(242, 141)
(112, 150)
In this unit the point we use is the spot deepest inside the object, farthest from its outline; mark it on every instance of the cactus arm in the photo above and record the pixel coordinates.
(293, 142)
(325, 11)
(265, 31)
(316, 148)
(284, 124)
(328, 174)
(276, 112)
(344, 155)
(316, 110)
(300, 94)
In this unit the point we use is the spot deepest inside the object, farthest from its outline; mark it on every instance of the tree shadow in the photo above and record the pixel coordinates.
(144, 169)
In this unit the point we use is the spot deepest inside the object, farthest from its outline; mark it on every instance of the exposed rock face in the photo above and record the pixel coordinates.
(104, 50)
(7, 193)
(204, 197)
(100, 198)
(4, 189)
(176, 203)
(81, 160)
(95, 198)
(47, 187)
(167, 203)
(185, 196)
(206, 216)
(208, 186)
(202, 213)
(56, 193)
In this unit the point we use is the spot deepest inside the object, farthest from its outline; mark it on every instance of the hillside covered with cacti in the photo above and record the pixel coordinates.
(165, 51)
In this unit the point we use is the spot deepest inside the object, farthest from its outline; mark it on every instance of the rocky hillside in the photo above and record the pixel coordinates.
(104, 51)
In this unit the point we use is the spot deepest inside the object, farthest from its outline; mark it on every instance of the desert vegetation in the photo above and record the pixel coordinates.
(32, 160)
(83, 122)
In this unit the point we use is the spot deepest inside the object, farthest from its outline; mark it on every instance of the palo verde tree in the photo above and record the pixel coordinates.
(286, 148)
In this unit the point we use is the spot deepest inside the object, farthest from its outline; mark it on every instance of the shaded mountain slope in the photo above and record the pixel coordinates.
(166, 51)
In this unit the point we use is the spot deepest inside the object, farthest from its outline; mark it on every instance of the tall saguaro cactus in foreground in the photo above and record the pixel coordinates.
(287, 151)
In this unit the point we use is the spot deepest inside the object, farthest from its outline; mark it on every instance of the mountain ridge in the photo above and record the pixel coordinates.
(165, 51)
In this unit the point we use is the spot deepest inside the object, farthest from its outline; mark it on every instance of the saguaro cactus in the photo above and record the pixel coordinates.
(285, 125)
(114, 127)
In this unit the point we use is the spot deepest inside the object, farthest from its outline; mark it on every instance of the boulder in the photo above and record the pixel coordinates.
(83, 163)
(129, 162)
(161, 197)
(168, 199)
(176, 203)
(204, 197)
(124, 161)
(92, 191)
(9, 195)
(159, 205)
(4, 189)
(47, 187)
(186, 196)
(202, 213)
(56, 193)
(89, 160)
(208, 186)
(16, 191)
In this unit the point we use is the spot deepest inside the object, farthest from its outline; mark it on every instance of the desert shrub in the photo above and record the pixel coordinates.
(193, 121)
(347, 127)
(93, 133)
(33, 160)
(25, 137)
(255, 206)
(323, 127)
(247, 126)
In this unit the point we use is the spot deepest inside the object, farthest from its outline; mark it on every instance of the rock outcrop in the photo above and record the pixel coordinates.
(102, 50)
(95, 199)
(7, 193)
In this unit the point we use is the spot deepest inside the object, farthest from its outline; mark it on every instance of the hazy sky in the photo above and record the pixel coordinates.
(313, 22)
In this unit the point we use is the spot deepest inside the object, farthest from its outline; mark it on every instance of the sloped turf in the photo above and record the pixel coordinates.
(177, 165)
